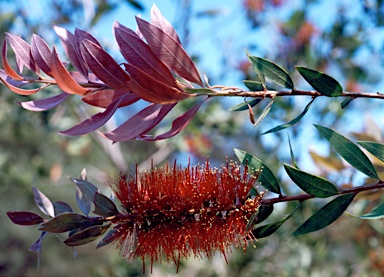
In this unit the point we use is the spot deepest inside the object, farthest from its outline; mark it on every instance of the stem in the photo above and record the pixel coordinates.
(305, 196)
(272, 94)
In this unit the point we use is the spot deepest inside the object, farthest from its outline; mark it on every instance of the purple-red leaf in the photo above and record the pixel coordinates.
(87, 235)
(153, 90)
(179, 123)
(65, 222)
(68, 41)
(44, 104)
(81, 34)
(25, 218)
(104, 66)
(162, 23)
(84, 194)
(104, 206)
(103, 98)
(169, 51)
(43, 203)
(23, 53)
(38, 244)
(138, 53)
(19, 90)
(109, 238)
(7, 68)
(62, 207)
(62, 77)
(94, 122)
(139, 124)
(41, 54)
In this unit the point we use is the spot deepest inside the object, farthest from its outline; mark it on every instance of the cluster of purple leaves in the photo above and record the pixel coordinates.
(81, 229)
(157, 70)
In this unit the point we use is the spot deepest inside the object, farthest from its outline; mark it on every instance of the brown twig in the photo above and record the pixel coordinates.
(305, 196)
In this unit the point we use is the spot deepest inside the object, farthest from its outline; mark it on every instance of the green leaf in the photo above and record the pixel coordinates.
(65, 222)
(265, 210)
(321, 82)
(269, 229)
(346, 102)
(255, 85)
(293, 159)
(266, 178)
(349, 151)
(272, 71)
(311, 184)
(292, 122)
(198, 90)
(244, 106)
(87, 235)
(257, 70)
(326, 215)
(376, 213)
(104, 206)
(375, 148)
(264, 113)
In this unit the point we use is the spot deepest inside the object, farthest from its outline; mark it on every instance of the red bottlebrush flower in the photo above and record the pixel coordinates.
(174, 213)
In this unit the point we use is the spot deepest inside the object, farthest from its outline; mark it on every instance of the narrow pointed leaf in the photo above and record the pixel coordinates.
(153, 90)
(349, 151)
(44, 104)
(268, 229)
(37, 246)
(272, 71)
(293, 159)
(65, 222)
(375, 148)
(180, 123)
(23, 53)
(376, 213)
(326, 215)
(321, 82)
(158, 20)
(62, 77)
(81, 34)
(168, 50)
(104, 206)
(266, 178)
(41, 54)
(62, 207)
(103, 98)
(260, 74)
(108, 238)
(7, 68)
(104, 66)
(43, 203)
(19, 90)
(68, 41)
(346, 102)
(264, 113)
(87, 235)
(265, 210)
(292, 122)
(244, 106)
(84, 194)
(311, 184)
(255, 85)
(94, 122)
(140, 123)
(138, 53)
(25, 218)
